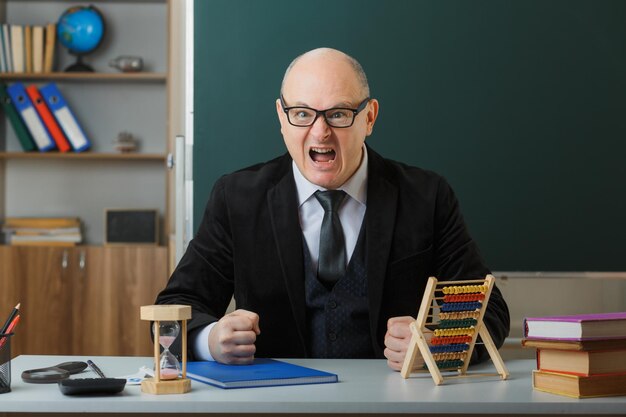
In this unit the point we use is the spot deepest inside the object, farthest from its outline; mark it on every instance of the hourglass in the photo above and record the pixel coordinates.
(166, 367)
(168, 364)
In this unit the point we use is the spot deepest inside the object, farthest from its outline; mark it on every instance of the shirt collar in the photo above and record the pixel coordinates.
(355, 187)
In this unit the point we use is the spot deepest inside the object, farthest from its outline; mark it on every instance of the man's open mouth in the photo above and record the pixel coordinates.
(322, 154)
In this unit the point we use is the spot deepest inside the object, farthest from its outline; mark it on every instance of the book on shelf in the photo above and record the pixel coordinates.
(59, 107)
(44, 243)
(48, 63)
(576, 327)
(17, 47)
(50, 122)
(42, 231)
(3, 59)
(261, 373)
(21, 131)
(27, 112)
(38, 32)
(22, 48)
(6, 42)
(28, 48)
(70, 239)
(41, 222)
(580, 386)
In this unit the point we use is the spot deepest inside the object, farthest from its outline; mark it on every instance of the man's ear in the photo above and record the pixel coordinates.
(281, 114)
(372, 115)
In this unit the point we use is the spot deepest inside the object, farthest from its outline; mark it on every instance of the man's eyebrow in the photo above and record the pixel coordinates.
(341, 105)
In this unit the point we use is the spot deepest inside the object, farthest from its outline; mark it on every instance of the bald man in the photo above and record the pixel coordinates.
(264, 237)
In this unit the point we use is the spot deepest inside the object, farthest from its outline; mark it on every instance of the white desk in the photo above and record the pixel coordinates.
(366, 386)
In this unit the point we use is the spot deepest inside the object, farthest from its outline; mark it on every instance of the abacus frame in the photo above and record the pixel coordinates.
(427, 317)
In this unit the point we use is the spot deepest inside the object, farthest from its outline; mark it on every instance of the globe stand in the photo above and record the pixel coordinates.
(79, 65)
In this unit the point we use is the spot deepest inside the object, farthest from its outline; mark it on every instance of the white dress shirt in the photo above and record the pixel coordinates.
(351, 214)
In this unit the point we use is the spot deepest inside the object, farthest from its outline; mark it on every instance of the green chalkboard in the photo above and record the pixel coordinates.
(521, 105)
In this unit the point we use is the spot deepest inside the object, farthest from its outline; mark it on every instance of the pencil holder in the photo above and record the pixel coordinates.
(5, 362)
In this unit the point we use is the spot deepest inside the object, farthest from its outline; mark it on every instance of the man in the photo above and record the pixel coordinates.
(312, 280)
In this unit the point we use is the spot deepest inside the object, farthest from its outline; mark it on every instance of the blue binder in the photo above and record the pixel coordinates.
(58, 106)
(31, 118)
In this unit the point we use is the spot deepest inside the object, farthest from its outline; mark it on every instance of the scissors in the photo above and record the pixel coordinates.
(53, 373)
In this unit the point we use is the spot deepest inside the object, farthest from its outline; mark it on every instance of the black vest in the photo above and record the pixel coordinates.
(338, 322)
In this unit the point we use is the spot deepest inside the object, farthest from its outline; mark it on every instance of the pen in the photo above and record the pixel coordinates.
(10, 329)
(10, 319)
(95, 368)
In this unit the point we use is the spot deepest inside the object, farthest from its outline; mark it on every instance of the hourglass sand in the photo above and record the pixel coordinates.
(168, 363)
(166, 367)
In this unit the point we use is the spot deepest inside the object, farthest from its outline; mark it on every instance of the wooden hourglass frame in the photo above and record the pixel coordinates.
(157, 314)
(452, 314)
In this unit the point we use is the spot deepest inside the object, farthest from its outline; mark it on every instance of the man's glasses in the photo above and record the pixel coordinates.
(336, 117)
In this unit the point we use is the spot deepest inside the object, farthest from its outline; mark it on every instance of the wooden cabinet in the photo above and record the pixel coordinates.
(46, 294)
(82, 300)
(114, 282)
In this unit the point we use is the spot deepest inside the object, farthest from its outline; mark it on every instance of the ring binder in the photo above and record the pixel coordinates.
(29, 115)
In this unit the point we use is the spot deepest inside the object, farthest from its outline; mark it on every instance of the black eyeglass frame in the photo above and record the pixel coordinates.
(356, 111)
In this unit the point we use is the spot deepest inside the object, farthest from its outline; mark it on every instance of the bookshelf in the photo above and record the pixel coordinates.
(106, 103)
(110, 283)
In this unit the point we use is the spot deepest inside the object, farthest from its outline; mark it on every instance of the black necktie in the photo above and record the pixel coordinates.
(332, 259)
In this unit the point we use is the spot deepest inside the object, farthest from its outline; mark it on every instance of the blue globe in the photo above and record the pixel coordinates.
(80, 29)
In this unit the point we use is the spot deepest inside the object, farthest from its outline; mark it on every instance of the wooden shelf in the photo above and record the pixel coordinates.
(84, 156)
(86, 76)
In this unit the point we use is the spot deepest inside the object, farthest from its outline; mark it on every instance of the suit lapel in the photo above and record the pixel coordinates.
(382, 198)
(283, 208)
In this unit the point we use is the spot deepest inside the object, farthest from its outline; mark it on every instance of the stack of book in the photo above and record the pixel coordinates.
(27, 48)
(579, 355)
(54, 231)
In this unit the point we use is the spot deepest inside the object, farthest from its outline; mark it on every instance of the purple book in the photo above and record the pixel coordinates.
(576, 327)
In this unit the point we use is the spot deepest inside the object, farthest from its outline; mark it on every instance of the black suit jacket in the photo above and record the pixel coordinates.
(250, 244)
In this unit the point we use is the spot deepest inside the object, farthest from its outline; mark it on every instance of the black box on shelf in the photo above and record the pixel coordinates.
(131, 226)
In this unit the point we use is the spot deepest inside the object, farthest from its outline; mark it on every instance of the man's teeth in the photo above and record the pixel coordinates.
(321, 150)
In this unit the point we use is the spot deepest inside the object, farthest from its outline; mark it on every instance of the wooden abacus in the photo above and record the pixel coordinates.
(448, 323)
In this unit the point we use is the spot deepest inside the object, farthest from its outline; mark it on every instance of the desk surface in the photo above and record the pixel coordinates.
(366, 386)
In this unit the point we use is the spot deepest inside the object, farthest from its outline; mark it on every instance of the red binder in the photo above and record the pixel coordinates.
(48, 119)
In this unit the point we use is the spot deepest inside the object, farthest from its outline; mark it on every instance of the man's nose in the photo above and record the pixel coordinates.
(320, 127)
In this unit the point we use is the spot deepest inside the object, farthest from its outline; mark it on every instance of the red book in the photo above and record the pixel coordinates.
(48, 119)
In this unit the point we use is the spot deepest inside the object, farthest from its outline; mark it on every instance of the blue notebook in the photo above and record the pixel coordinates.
(261, 373)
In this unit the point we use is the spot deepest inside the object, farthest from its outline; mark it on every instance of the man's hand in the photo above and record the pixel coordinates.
(231, 340)
(397, 342)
